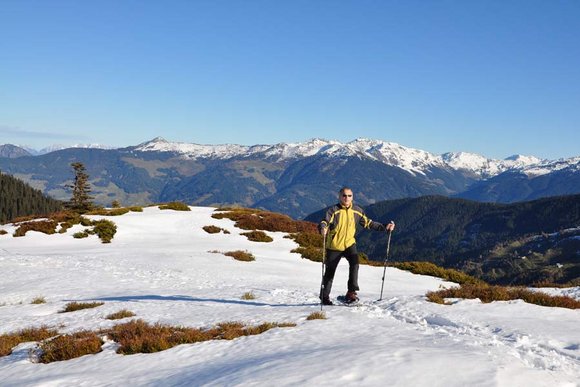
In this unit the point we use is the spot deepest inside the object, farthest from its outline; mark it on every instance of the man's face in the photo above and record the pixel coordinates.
(346, 198)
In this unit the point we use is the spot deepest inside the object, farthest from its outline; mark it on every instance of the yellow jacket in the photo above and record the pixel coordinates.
(341, 222)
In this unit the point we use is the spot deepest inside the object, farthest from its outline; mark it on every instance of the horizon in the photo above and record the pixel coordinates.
(490, 78)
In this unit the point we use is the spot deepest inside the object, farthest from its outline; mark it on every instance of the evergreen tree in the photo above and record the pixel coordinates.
(81, 200)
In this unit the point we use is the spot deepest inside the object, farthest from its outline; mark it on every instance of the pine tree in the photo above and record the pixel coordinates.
(81, 200)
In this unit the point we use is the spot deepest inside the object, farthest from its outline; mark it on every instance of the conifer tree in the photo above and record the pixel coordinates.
(81, 200)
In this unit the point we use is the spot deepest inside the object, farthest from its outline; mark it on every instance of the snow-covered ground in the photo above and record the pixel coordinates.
(159, 267)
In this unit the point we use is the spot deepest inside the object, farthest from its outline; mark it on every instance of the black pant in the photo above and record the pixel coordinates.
(332, 259)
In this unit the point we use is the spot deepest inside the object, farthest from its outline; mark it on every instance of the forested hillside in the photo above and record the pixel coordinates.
(19, 199)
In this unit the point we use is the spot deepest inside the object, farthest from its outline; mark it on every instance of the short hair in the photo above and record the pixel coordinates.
(345, 188)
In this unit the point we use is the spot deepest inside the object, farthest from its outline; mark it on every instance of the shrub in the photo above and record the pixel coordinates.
(428, 268)
(3, 232)
(138, 336)
(136, 209)
(120, 314)
(316, 316)
(177, 206)
(38, 300)
(311, 253)
(11, 340)
(74, 306)
(240, 255)
(116, 204)
(487, 293)
(257, 236)
(212, 229)
(44, 226)
(80, 234)
(70, 346)
(105, 229)
(248, 296)
(252, 219)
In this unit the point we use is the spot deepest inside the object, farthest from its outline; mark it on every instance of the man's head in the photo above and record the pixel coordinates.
(345, 196)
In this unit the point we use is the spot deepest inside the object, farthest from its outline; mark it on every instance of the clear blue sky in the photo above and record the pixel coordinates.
(494, 77)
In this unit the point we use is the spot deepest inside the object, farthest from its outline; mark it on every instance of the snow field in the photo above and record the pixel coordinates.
(158, 266)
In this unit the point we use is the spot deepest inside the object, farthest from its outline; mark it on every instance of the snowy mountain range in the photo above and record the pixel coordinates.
(389, 153)
(293, 178)
(164, 268)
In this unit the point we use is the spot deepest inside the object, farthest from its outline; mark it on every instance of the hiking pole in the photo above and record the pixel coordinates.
(323, 261)
(385, 264)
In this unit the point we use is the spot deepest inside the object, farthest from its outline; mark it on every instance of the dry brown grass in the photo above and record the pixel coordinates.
(257, 236)
(138, 336)
(240, 255)
(248, 296)
(38, 300)
(316, 316)
(11, 340)
(120, 314)
(487, 293)
(70, 346)
(74, 306)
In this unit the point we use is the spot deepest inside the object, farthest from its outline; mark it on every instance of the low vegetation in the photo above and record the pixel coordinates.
(38, 300)
(316, 316)
(248, 296)
(10, 340)
(105, 230)
(44, 226)
(489, 293)
(138, 336)
(81, 235)
(239, 255)
(428, 268)
(176, 206)
(74, 306)
(257, 236)
(69, 346)
(115, 211)
(253, 219)
(3, 232)
(120, 315)
(214, 229)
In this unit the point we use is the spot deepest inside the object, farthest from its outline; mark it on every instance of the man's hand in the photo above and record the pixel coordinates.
(390, 227)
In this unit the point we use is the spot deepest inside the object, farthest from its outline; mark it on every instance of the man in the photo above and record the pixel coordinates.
(339, 226)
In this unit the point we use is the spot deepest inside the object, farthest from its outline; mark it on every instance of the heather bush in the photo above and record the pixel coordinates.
(11, 340)
(3, 232)
(136, 209)
(240, 255)
(257, 236)
(44, 226)
(105, 229)
(138, 336)
(253, 219)
(120, 314)
(212, 229)
(80, 234)
(176, 206)
(70, 346)
(74, 306)
(428, 268)
(487, 293)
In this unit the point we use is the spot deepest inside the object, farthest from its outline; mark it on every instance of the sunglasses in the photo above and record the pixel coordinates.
(347, 196)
